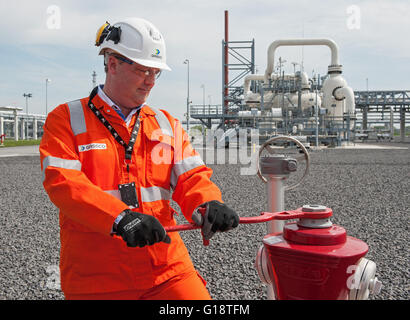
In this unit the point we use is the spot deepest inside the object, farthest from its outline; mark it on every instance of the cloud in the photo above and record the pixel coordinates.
(194, 30)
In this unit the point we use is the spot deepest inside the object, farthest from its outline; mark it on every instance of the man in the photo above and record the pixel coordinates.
(110, 164)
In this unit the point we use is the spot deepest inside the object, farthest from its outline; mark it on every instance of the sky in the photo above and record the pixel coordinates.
(54, 39)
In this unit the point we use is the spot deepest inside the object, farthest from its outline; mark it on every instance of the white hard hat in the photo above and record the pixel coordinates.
(136, 39)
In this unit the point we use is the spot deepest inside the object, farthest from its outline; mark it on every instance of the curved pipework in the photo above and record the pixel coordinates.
(334, 63)
(348, 94)
(247, 82)
(305, 81)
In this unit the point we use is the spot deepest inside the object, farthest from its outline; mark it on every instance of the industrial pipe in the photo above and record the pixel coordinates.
(247, 82)
(348, 94)
(260, 77)
(301, 42)
(226, 64)
(305, 81)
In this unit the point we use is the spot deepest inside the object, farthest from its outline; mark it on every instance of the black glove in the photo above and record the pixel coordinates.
(218, 217)
(138, 229)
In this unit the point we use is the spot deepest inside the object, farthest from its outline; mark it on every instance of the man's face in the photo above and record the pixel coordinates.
(132, 82)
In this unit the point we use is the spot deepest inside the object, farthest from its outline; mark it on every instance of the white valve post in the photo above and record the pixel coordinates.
(277, 168)
(276, 203)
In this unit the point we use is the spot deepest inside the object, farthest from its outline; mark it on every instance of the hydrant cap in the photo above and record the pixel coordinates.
(313, 208)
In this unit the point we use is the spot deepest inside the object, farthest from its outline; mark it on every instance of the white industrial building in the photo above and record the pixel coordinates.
(20, 126)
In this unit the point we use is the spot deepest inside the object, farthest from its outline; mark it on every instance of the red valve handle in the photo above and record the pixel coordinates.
(263, 217)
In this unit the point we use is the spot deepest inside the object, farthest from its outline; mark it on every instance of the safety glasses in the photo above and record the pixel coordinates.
(145, 73)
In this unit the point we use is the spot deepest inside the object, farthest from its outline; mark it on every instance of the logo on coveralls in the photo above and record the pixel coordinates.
(92, 146)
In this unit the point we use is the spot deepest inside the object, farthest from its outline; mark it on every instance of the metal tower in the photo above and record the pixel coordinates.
(243, 54)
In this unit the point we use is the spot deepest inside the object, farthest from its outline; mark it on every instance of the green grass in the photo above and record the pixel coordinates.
(13, 143)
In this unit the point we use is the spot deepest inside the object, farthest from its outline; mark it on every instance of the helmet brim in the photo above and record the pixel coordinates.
(152, 64)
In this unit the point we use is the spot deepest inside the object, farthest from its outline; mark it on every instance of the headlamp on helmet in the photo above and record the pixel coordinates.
(108, 32)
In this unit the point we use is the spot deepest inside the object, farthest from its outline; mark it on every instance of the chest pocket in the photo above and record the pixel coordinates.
(159, 164)
(160, 152)
(97, 153)
(99, 159)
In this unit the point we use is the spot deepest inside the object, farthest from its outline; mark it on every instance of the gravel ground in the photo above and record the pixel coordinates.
(368, 190)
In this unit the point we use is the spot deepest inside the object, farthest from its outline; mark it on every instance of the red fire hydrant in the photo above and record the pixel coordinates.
(312, 258)
(315, 259)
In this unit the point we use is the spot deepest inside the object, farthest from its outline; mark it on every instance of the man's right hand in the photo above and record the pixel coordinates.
(138, 229)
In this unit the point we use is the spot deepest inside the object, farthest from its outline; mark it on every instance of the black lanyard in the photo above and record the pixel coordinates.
(128, 147)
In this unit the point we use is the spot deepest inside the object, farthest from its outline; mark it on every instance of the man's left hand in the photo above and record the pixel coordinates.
(218, 217)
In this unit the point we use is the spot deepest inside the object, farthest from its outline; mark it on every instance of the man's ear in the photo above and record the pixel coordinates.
(111, 64)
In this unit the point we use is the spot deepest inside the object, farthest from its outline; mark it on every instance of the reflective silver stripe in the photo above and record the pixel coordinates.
(77, 117)
(115, 193)
(163, 122)
(147, 194)
(154, 194)
(183, 166)
(61, 163)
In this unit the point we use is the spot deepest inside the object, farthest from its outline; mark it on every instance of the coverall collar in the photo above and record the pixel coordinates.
(99, 102)
(145, 112)
(111, 103)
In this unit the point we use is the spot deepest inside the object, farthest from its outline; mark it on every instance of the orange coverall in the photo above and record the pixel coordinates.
(83, 165)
